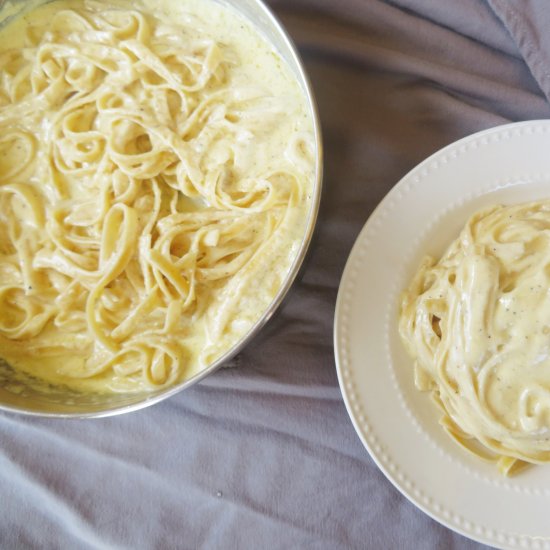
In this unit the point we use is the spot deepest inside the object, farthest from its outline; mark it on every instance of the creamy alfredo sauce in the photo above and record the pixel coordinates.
(156, 169)
(477, 323)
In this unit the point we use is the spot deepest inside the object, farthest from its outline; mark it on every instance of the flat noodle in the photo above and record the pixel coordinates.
(476, 323)
(140, 202)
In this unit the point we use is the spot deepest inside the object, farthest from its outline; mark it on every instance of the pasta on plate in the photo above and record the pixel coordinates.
(477, 323)
(155, 175)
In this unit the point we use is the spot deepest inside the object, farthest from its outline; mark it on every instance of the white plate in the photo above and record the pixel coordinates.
(398, 424)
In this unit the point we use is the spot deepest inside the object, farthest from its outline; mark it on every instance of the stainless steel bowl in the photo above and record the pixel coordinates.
(34, 397)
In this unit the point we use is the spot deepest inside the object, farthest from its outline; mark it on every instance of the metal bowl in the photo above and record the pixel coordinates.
(35, 397)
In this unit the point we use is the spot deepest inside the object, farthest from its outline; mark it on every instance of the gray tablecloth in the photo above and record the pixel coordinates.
(264, 455)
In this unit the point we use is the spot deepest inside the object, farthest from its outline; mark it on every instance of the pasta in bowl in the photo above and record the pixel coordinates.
(159, 181)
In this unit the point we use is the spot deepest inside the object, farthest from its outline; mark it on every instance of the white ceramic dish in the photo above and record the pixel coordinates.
(398, 424)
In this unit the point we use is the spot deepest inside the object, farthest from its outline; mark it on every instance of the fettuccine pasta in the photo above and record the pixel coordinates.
(155, 175)
(477, 323)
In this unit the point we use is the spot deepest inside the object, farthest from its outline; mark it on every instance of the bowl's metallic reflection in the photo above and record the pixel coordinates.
(33, 397)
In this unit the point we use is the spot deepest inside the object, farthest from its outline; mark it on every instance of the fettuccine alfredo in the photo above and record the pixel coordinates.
(156, 168)
(477, 323)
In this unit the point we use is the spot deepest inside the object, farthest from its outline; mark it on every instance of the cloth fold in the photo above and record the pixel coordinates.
(527, 22)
